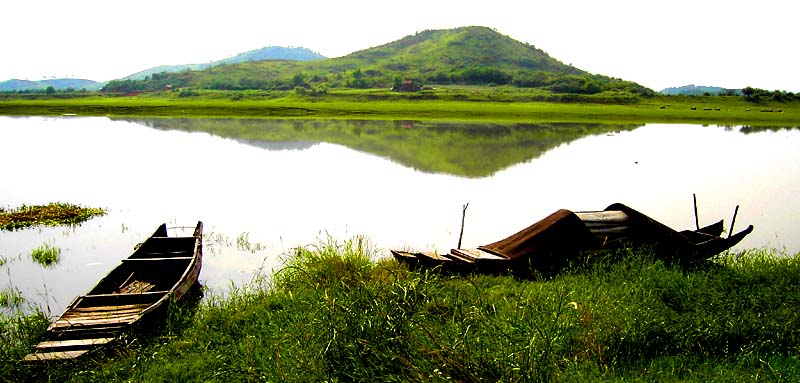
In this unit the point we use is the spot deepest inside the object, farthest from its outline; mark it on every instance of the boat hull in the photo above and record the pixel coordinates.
(161, 270)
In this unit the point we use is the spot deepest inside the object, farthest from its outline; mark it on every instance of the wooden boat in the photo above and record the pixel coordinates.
(554, 241)
(162, 269)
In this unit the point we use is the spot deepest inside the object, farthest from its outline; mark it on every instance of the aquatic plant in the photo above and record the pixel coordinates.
(10, 298)
(46, 255)
(52, 214)
(243, 243)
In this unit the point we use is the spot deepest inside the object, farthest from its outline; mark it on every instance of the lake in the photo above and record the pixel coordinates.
(264, 187)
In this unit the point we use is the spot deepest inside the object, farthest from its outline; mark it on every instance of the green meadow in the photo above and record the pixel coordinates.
(335, 313)
(453, 103)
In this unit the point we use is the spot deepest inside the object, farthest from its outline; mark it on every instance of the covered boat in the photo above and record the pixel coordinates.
(556, 240)
(161, 270)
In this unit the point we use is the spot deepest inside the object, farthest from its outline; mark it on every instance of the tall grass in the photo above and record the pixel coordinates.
(335, 313)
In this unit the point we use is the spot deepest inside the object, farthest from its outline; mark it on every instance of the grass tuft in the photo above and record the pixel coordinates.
(46, 255)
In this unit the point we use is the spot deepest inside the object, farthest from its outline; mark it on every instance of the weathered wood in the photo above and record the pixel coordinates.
(100, 314)
(476, 254)
(602, 217)
(58, 355)
(72, 343)
(86, 322)
(124, 295)
(118, 308)
(157, 259)
(164, 267)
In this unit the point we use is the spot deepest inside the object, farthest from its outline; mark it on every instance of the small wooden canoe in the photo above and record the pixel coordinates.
(162, 269)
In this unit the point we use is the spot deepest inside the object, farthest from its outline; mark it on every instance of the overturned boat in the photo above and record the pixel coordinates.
(553, 242)
(160, 271)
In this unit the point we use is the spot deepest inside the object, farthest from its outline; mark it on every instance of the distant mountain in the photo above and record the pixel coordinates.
(266, 53)
(467, 55)
(696, 90)
(58, 84)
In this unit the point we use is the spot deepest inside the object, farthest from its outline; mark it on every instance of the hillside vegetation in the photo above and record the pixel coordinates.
(467, 55)
(266, 53)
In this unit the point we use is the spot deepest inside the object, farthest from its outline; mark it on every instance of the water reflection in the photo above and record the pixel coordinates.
(464, 149)
(282, 184)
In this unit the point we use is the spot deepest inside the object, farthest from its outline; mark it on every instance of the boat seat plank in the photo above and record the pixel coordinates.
(73, 343)
(57, 355)
(157, 259)
(87, 323)
(88, 332)
(123, 295)
(109, 308)
(99, 315)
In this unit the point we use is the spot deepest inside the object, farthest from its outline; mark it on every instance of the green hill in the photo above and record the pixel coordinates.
(266, 53)
(467, 55)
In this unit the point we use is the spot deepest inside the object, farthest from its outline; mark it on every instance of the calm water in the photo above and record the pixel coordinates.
(282, 184)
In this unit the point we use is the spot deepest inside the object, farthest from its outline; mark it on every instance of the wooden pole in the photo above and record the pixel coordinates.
(696, 219)
(733, 220)
(463, 214)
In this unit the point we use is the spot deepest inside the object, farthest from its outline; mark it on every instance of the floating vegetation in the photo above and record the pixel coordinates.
(10, 298)
(243, 243)
(52, 214)
(46, 255)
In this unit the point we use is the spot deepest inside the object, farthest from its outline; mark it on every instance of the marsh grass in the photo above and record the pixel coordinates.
(243, 243)
(336, 313)
(52, 214)
(46, 255)
(11, 298)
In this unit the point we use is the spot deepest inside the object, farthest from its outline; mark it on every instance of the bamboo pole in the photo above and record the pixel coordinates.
(463, 214)
(733, 220)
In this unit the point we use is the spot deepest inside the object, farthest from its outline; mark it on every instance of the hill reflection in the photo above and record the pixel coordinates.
(472, 150)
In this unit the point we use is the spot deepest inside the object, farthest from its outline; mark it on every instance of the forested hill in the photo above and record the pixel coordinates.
(467, 55)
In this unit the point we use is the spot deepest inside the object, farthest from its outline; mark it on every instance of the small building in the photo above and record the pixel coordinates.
(407, 86)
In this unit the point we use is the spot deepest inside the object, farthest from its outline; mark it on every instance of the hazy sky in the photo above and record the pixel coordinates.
(655, 43)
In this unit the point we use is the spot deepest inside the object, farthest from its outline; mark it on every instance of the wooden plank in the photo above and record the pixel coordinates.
(94, 319)
(476, 254)
(59, 324)
(122, 295)
(158, 259)
(90, 332)
(110, 308)
(99, 315)
(610, 216)
(92, 342)
(58, 355)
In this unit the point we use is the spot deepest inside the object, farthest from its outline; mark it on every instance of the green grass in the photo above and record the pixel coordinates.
(11, 298)
(46, 255)
(500, 104)
(52, 214)
(334, 313)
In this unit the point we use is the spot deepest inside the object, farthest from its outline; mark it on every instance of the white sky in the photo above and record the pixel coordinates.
(655, 43)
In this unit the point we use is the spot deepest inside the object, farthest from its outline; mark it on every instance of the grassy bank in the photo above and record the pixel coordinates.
(486, 103)
(334, 314)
